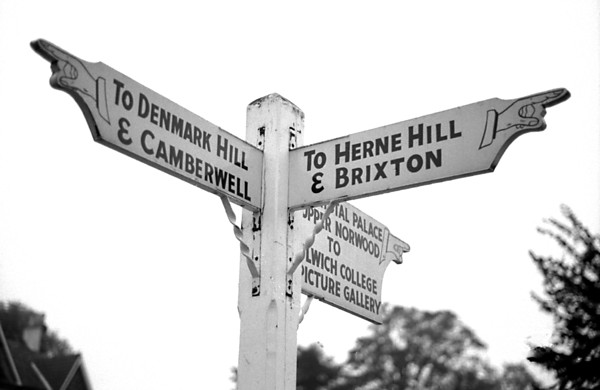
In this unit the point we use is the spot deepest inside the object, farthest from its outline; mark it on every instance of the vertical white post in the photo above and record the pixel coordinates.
(269, 320)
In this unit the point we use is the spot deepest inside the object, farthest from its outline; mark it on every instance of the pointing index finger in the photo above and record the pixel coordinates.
(51, 52)
(549, 98)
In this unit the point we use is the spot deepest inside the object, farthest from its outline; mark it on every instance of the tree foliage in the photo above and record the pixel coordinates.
(15, 317)
(415, 349)
(572, 296)
(315, 370)
(516, 377)
(411, 350)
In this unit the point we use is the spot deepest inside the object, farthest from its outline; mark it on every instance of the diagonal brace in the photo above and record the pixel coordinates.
(310, 240)
(244, 249)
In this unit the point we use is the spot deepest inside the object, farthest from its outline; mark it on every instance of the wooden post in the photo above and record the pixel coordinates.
(269, 312)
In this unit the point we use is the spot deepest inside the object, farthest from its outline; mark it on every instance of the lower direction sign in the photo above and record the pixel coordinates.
(345, 265)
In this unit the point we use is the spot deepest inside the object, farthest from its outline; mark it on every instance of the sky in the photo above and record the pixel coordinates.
(139, 270)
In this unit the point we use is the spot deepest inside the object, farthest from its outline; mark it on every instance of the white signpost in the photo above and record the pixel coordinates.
(344, 266)
(273, 181)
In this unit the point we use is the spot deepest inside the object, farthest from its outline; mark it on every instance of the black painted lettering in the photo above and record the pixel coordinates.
(320, 160)
(380, 171)
(342, 153)
(231, 184)
(341, 177)
(220, 178)
(396, 142)
(357, 175)
(189, 163)
(317, 186)
(145, 147)
(438, 133)
(154, 113)
(308, 154)
(222, 146)
(208, 173)
(453, 132)
(396, 163)
(118, 91)
(123, 132)
(355, 152)
(243, 162)
(368, 148)
(414, 163)
(206, 142)
(246, 192)
(143, 106)
(198, 170)
(415, 137)
(187, 134)
(176, 157)
(164, 119)
(127, 100)
(176, 125)
(197, 137)
(161, 151)
(382, 146)
(433, 159)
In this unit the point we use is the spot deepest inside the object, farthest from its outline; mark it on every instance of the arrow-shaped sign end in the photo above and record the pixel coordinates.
(521, 115)
(395, 247)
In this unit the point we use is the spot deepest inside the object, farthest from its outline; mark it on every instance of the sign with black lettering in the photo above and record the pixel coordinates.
(132, 119)
(345, 265)
(456, 143)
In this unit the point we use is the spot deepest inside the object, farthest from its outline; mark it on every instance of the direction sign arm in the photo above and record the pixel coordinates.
(451, 144)
(344, 264)
(132, 119)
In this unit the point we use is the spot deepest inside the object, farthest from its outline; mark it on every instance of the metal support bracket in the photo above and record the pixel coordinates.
(293, 138)
(299, 257)
(244, 249)
(305, 308)
(260, 142)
